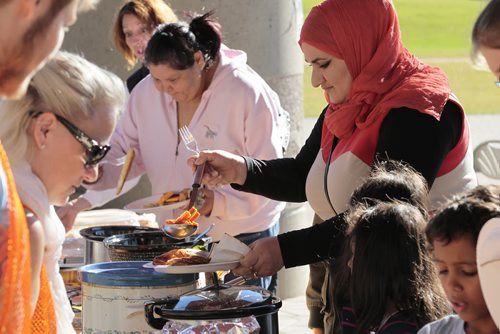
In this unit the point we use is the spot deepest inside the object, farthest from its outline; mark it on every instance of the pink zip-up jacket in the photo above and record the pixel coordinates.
(238, 113)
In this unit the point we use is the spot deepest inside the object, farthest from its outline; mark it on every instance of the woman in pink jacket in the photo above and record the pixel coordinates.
(198, 82)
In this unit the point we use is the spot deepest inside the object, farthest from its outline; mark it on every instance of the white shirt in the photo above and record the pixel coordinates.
(34, 195)
(451, 324)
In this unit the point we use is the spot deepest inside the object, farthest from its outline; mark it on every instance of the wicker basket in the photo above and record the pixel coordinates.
(143, 246)
(126, 255)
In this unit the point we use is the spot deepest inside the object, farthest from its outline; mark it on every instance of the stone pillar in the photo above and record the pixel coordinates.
(268, 32)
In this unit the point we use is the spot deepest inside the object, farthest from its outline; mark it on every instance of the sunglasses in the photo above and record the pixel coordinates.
(94, 151)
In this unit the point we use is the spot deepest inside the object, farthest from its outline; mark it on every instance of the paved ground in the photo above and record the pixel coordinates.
(293, 315)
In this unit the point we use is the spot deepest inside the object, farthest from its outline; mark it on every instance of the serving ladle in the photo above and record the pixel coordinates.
(182, 231)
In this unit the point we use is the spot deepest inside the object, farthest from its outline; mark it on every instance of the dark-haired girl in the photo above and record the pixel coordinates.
(198, 82)
(385, 282)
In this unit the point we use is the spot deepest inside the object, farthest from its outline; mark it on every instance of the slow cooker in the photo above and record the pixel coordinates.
(113, 295)
(216, 304)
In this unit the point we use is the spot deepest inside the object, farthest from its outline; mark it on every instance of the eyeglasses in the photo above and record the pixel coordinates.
(94, 151)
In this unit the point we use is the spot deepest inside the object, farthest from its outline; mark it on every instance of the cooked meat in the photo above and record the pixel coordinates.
(182, 257)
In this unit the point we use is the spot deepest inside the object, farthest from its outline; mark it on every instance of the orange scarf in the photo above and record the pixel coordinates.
(365, 34)
(44, 318)
(15, 291)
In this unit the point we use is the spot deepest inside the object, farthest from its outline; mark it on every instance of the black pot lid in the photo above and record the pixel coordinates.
(222, 298)
(99, 233)
(148, 240)
(159, 310)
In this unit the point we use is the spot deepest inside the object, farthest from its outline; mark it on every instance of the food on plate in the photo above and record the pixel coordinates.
(170, 197)
(125, 170)
(187, 217)
(182, 257)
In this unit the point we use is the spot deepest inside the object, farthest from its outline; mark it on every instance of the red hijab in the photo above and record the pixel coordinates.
(365, 34)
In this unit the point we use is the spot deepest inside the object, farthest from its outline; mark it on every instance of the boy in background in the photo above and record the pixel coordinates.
(453, 234)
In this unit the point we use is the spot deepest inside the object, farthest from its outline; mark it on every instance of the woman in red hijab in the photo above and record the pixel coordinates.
(383, 103)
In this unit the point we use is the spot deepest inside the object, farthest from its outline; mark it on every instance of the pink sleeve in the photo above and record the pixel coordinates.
(262, 140)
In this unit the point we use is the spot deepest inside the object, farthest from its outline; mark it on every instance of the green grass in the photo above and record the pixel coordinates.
(434, 31)
(474, 88)
(441, 28)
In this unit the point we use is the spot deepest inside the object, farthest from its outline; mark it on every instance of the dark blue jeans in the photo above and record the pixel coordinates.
(267, 282)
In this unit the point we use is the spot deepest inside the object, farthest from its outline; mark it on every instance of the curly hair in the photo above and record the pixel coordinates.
(393, 180)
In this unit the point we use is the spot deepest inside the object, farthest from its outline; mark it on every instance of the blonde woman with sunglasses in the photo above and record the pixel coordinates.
(55, 137)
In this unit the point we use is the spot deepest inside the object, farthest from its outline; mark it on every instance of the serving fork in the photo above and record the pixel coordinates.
(191, 144)
(189, 140)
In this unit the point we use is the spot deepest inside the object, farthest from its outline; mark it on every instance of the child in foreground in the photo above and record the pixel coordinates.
(388, 273)
(453, 234)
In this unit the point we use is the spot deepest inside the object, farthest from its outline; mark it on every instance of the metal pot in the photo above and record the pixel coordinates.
(246, 301)
(95, 251)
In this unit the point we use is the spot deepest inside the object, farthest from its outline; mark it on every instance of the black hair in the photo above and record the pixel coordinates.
(393, 180)
(465, 215)
(391, 264)
(388, 181)
(175, 44)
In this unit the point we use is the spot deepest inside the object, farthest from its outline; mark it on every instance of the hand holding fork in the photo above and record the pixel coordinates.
(192, 145)
(223, 167)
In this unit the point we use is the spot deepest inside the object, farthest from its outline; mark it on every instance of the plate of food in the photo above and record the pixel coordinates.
(159, 203)
(188, 261)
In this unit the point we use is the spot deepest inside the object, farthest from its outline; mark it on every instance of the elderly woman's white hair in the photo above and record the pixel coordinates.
(69, 86)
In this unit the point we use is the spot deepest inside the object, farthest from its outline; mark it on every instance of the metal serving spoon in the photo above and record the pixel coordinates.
(179, 231)
(182, 231)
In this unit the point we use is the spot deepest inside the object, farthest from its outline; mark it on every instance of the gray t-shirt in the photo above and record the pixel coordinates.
(451, 324)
